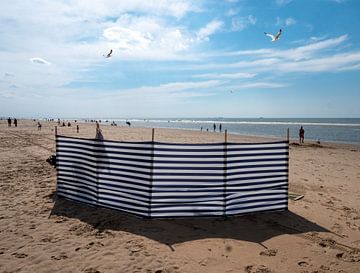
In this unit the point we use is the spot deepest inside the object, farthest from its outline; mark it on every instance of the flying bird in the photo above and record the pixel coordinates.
(274, 38)
(109, 54)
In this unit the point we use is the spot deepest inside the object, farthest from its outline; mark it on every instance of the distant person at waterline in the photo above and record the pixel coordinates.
(301, 135)
(220, 126)
(214, 127)
(15, 122)
(9, 122)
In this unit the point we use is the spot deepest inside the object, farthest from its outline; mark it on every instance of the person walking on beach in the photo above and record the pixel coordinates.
(214, 127)
(301, 135)
(9, 122)
(39, 126)
(99, 134)
(15, 122)
(220, 127)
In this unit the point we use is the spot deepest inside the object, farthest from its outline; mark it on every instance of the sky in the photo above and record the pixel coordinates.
(184, 58)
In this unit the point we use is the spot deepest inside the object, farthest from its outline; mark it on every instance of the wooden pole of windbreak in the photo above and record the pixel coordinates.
(288, 135)
(56, 161)
(151, 170)
(225, 174)
(288, 161)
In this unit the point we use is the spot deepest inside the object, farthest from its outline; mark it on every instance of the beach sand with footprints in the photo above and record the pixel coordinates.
(41, 233)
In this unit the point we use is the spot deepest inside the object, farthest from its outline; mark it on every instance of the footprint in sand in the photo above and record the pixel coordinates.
(349, 257)
(91, 270)
(59, 257)
(269, 252)
(302, 263)
(257, 269)
(19, 255)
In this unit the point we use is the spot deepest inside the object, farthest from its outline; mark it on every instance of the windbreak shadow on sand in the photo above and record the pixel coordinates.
(255, 228)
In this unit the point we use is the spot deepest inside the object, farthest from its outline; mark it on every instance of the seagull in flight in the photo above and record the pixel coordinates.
(109, 54)
(274, 38)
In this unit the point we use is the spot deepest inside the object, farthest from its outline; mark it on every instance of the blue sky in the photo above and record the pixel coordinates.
(180, 58)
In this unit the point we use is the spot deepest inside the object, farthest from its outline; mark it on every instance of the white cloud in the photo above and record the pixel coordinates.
(209, 29)
(240, 23)
(143, 37)
(105, 8)
(239, 75)
(312, 58)
(37, 60)
(290, 21)
(258, 85)
(338, 62)
(232, 12)
(285, 22)
(297, 53)
(127, 39)
(173, 92)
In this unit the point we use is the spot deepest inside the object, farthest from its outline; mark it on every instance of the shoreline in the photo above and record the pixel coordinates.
(237, 137)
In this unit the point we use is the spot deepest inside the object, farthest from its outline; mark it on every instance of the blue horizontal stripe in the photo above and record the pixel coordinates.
(283, 202)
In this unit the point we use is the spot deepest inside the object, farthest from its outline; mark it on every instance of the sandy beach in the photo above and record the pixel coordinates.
(41, 233)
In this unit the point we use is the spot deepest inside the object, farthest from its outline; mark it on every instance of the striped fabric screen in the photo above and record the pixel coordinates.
(152, 179)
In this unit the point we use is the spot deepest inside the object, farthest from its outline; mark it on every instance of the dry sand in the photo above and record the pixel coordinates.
(40, 233)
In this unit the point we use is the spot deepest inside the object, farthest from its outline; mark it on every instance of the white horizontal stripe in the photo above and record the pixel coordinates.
(67, 193)
(77, 182)
(190, 207)
(183, 193)
(193, 177)
(186, 187)
(265, 208)
(207, 200)
(126, 184)
(110, 191)
(255, 175)
(186, 214)
(76, 172)
(105, 143)
(103, 150)
(137, 178)
(77, 189)
(188, 147)
(116, 204)
(259, 198)
(245, 206)
(120, 189)
(255, 180)
(176, 172)
(130, 211)
(75, 198)
(233, 189)
(257, 146)
(233, 171)
(135, 202)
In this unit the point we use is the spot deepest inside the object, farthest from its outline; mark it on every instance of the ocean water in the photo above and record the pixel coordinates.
(342, 130)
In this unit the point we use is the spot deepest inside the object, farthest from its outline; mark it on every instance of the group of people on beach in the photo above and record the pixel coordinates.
(10, 121)
(214, 127)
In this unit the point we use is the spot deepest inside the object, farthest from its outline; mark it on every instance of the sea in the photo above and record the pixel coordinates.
(339, 130)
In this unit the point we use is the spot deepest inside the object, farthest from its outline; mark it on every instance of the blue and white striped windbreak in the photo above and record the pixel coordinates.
(152, 179)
